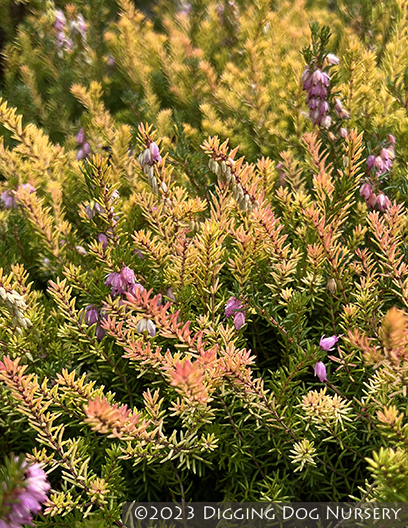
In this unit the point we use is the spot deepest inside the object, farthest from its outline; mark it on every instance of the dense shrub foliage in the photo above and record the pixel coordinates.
(203, 234)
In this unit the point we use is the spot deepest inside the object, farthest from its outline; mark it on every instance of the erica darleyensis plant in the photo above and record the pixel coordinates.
(202, 304)
(316, 81)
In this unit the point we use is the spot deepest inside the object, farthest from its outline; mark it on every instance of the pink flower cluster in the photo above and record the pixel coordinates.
(63, 42)
(77, 26)
(84, 147)
(9, 199)
(147, 160)
(234, 307)
(316, 83)
(381, 200)
(383, 162)
(26, 501)
(122, 282)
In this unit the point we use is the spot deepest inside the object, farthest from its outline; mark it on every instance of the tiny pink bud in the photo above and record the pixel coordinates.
(154, 152)
(80, 136)
(102, 238)
(320, 371)
(86, 148)
(326, 122)
(332, 59)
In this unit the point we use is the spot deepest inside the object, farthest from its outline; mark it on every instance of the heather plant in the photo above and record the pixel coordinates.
(203, 286)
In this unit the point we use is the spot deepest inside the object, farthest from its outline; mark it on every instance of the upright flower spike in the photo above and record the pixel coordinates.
(316, 83)
(27, 500)
(122, 282)
(320, 371)
(327, 343)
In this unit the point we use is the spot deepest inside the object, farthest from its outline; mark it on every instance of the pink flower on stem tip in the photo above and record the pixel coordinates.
(320, 371)
(365, 190)
(327, 343)
(332, 59)
(239, 320)
(232, 306)
(370, 161)
(383, 202)
(91, 315)
(28, 186)
(103, 239)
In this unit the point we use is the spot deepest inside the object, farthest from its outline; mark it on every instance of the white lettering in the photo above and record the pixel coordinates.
(205, 512)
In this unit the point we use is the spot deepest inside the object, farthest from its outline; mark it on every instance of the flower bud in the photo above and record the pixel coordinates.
(80, 136)
(326, 122)
(151, 328)
(365, 190)
(370, 161)
(81, 250)
(379, 164)
(91, 315)
(383, 202)
(102, 238)
(154, 152)
(86, 148)
(239, 320)
(332, 59)
(332, 285)
(371, 200)
(320, 371)
(317, 77)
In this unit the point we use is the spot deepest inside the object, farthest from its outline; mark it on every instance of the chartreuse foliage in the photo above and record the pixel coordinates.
(204, 180)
